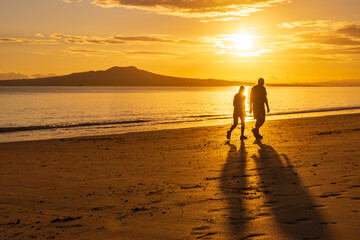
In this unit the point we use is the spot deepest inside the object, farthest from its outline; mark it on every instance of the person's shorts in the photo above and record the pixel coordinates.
(259, 112)
(239, 113)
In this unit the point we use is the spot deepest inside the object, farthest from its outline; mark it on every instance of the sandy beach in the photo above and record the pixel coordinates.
(301, 181)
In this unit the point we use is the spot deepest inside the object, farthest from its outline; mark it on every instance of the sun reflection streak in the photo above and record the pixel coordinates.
(247, 102)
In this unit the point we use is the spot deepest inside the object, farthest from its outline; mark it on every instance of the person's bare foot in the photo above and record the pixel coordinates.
(228, 134)
(243, 137)
(254, 132)
(257, 134)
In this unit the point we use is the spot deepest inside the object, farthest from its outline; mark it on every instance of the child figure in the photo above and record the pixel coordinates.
(239, 112)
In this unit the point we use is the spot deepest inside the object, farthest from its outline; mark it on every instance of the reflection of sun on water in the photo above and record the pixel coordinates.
(247, 101)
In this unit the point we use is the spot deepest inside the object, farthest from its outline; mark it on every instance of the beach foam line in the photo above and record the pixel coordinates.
(140, 122)
(218, 117)
(315, 110)
(67, 125)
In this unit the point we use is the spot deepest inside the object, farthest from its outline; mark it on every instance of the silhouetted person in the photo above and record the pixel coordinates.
(239, 112)
(257, 101)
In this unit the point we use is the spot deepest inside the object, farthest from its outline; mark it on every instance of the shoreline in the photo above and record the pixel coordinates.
(269, 118)
(36, 114)
(300, 182)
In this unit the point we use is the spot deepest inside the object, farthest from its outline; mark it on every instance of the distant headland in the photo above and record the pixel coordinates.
(132, 76)
(117, 76)
(121, 76)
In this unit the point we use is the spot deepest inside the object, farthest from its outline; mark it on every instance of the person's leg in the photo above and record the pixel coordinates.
(236, 122)
(259, 123)
(242, 118)
(259, 114)
(257, 117)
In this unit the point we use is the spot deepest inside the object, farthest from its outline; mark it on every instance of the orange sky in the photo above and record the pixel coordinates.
(295, 41)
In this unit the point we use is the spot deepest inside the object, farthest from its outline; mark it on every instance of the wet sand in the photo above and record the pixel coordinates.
(301, 182)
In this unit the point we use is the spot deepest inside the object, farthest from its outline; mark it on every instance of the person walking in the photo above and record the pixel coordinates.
(239, 112)
(257, 101)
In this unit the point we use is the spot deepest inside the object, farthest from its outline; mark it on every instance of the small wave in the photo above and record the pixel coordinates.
(316, 110)
(176, 122)
(220, 117)
(204, 116)
(58, 126)
(140, 122)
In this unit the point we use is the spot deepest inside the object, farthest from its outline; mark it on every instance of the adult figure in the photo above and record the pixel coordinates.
(257, 101)
(239, 112)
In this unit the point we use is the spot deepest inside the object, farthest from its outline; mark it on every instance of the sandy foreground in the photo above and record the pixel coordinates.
(301, 182)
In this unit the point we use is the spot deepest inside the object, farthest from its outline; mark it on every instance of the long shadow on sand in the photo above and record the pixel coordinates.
(233, 185)
(290, 204)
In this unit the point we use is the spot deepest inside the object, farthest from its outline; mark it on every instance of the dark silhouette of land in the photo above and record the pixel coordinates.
(125, 76)
(117, 76)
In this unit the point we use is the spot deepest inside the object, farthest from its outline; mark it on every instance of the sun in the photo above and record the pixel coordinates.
(243, 42)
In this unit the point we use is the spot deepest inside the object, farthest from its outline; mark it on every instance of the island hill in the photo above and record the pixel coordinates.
(117, 76)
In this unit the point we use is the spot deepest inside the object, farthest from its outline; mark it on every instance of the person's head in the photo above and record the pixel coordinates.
(241, 89)
(261, 82)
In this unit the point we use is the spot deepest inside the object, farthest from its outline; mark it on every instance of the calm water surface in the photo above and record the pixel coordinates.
(29, 113)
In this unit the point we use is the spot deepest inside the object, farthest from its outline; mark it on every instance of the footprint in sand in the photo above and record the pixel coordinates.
(251, 236)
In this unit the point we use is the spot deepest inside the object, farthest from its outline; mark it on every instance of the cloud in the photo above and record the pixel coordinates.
(325, 38)
(305, 23)
(241, 45)
(79, 52)
(98, 52)
(11, 76)
(70, 1)
(58, 38)
(303, 41)
(352, 30)
(11, 40)
(208, 9)
(117, 39)
(28, 41)
(153, 53)
(39, 75)
(322, 34)
(39, 35)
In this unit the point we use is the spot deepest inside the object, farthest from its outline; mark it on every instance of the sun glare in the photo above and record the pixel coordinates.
(243, 42)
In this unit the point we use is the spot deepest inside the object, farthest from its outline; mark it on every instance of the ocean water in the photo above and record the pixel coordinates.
(34, 113)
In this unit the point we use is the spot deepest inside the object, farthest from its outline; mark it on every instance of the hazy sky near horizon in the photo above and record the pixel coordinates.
(284, 41)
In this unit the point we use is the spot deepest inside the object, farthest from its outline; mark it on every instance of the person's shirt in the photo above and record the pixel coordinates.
(258, 95)
(239, 102)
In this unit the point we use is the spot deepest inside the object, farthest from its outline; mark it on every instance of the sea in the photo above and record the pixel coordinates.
(38, 113)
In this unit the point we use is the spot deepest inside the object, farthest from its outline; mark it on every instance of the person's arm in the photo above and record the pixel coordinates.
(251, 101)
(267, 104)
